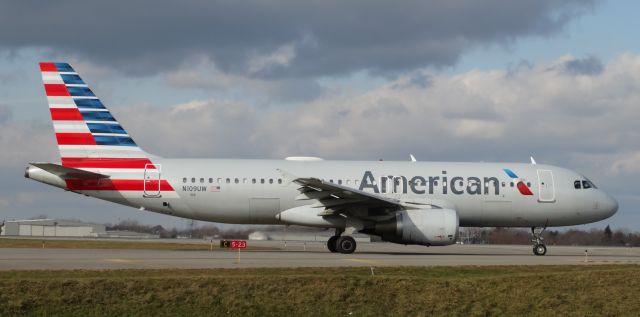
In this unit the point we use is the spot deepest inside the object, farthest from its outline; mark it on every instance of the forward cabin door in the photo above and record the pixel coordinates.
(152, 180)
(546, 188)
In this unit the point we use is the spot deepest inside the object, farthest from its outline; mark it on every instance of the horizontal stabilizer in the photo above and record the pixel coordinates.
(68, 172)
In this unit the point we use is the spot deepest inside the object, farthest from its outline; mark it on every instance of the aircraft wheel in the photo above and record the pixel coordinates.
(539, 249)
(346, 244)
(331, 244)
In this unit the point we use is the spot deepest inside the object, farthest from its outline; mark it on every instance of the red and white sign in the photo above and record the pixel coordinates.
(238, 244)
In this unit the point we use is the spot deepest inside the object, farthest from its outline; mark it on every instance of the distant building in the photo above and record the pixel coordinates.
(66, 229)
(52, 228)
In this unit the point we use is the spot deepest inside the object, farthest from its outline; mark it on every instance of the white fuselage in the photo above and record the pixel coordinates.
(254, 192)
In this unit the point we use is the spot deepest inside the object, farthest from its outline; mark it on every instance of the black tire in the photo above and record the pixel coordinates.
(346, 244)
(539, 249)
(331, 244)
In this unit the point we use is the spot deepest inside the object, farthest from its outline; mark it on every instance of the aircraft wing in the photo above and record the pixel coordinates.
(331, 194)
(332, 198)
(68, 172)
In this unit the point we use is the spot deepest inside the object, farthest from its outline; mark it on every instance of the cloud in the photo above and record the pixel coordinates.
(24, 142)
(281, 57)
(477, 115)
(629, 163)
(5, 114)
(203, 74)
(284, 39)
(585, 66)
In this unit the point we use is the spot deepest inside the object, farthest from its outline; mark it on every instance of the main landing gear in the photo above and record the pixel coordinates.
(538, 246)
(342, 244)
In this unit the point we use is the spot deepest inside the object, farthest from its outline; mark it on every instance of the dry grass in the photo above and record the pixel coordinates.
(106, 244)
(597, 290)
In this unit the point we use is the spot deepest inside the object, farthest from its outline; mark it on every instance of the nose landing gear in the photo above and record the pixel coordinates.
(538, 246)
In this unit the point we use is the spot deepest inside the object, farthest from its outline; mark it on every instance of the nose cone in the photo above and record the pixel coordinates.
(608, 205)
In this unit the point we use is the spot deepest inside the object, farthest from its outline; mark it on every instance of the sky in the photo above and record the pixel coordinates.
(452, 80)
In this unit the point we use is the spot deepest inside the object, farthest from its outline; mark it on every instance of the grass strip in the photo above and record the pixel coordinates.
(393, 291)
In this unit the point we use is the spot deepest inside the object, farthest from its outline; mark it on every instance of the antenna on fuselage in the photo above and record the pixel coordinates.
(413, 158)
(533, 162)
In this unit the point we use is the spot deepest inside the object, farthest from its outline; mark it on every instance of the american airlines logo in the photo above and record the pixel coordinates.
(442, 184)
(522, 187)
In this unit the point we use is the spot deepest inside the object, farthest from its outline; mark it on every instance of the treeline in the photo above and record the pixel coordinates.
(206, 231)
(196, 232)
(601, 237)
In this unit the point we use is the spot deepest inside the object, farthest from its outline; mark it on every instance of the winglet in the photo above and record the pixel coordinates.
(533, 162)
(413, 158)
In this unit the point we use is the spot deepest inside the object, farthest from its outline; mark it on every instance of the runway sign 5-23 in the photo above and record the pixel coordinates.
(233, 244)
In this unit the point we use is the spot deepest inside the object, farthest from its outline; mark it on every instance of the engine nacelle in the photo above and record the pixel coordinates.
(308, 216)
(419, 226)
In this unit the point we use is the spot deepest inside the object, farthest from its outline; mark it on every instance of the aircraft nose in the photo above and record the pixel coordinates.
(609, 205)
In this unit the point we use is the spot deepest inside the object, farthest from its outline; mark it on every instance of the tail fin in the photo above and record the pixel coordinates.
(88, 135)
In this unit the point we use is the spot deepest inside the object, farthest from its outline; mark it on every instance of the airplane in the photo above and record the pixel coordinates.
(412, 202)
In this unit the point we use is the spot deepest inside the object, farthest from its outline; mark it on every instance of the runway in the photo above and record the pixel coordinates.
(310, 255)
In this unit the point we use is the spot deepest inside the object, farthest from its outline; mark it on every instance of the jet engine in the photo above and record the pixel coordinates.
(418, 226)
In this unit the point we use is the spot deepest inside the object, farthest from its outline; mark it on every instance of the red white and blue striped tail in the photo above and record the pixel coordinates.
(87, 133)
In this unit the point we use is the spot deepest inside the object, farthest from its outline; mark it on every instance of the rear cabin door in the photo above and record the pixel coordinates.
(152, 180)
(546, 188)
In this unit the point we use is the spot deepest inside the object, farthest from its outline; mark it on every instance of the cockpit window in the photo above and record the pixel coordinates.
(591, 183)
(577, 185)
(586, 184)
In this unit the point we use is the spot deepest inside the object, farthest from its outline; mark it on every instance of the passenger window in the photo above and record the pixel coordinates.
(355, 182)
(228, 181)
(237, 181)
(331, 181)
(253, 180)
(348, 182)
(202, 180)
(279, 180)
(184, 180)
(511, 184)
(339, 182)
(210, 180)
(219, 180)
(270, 180)
(528, 184)
(262, 181)
(193, 179)
(586, 184)
(577, 185)
(244, 180)
(504, 184)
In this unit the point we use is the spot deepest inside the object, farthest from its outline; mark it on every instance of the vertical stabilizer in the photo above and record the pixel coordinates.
(88, 135)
